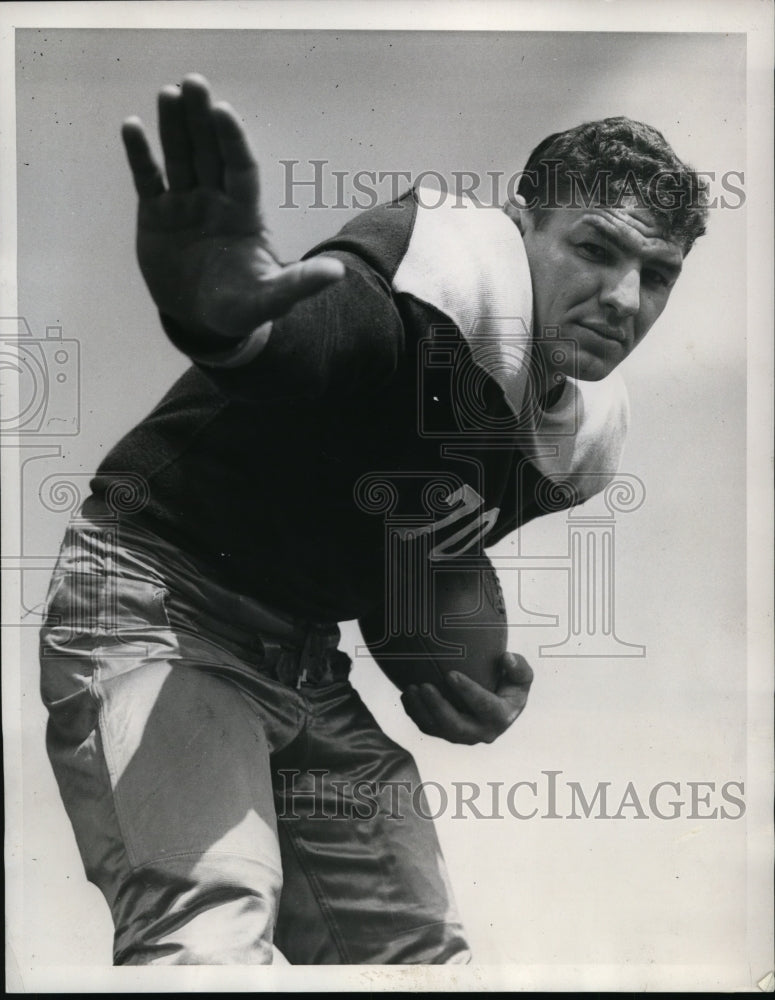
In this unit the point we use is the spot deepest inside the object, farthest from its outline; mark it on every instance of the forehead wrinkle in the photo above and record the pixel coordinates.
(627, 233)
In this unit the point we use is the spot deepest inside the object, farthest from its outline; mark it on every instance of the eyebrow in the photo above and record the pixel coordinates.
(612, 236)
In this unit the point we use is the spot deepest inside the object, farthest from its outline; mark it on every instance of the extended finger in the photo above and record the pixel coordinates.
(201, 129)
(145, 171)
(417, 712)
(240, 170)
(173, 130)
(297, 281)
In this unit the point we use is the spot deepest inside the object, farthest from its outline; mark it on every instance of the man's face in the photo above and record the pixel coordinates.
(601, 276)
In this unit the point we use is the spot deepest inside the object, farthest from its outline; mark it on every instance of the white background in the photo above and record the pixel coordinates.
(610, 899)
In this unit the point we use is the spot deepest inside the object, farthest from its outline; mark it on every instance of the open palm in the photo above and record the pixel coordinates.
(200, 239)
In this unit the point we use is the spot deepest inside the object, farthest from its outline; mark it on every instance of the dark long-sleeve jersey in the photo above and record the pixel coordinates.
(401, 401)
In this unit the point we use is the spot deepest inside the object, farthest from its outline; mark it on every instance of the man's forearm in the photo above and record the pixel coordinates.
(344, 340)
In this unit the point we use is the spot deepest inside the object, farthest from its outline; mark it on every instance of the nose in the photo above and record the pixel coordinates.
(621, 293)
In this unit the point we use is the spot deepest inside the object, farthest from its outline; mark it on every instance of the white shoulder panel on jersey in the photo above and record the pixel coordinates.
(580, 440)
(469, 263)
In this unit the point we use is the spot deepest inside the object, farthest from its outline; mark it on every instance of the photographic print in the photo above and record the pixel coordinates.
(386, 509)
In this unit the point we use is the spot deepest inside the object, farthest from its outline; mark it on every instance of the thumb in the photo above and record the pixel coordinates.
(282, 290)
(515, 668)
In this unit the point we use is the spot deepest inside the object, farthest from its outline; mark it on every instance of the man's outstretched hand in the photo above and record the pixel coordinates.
(488, 714)
(200, 239)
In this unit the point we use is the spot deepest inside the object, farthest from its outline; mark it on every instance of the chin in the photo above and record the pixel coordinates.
(594, 370)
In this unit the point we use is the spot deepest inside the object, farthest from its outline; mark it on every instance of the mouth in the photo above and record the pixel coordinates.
(608, 332)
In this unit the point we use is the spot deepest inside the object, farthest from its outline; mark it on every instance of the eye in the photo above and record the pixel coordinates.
(654, 278)
(594, 251)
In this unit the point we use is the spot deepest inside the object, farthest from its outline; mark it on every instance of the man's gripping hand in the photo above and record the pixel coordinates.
(488, 714)
(200, 239)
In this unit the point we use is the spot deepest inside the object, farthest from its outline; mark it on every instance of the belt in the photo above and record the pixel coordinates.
(315, 661)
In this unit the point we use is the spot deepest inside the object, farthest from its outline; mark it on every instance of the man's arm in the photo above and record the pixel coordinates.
(345, 340)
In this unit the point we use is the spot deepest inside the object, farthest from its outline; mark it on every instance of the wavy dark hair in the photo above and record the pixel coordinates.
(604, 162)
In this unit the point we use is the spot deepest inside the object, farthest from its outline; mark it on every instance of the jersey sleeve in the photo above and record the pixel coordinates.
(347, 339)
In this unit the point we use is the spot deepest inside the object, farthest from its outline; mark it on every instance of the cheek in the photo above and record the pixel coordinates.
(571, 285)
(649, 313)
(558, 288)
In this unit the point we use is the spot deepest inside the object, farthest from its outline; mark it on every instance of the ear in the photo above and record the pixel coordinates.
(517, 211)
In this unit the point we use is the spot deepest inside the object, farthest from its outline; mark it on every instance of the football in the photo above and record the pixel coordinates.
(456, 622)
